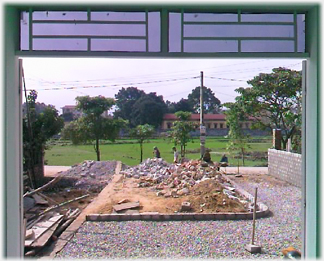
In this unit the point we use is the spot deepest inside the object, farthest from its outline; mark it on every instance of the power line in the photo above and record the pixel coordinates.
(255, 69)
(149, 75)
(225, 79)
(115, 85)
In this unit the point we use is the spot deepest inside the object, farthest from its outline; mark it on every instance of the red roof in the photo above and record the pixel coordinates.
(208, 116)
(69, 106)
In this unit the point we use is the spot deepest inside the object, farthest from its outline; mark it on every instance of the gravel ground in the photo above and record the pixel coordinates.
(197, 239)
(88, 175)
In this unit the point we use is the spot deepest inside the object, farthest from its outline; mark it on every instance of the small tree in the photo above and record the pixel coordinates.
(142, 133)
(180, 133)
(38, 127)
(237, 138)
(92, 126)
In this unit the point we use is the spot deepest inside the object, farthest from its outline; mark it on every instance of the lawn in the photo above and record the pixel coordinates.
(128, 151)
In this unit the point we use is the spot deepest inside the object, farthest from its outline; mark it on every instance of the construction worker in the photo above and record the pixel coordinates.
(156, 152)
(224, 161)
(175, 155)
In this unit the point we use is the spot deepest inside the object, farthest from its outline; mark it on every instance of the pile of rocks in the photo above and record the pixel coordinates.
(172, 180)
(90, 175)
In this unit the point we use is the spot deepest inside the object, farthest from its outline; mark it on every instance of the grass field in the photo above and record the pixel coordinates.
(128, 151)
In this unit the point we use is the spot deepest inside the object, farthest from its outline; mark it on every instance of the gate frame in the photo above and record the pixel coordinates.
(12, 165)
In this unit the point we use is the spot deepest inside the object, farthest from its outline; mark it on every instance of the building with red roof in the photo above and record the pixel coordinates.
(211, 121)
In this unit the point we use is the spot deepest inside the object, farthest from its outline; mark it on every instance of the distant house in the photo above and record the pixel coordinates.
(211, 121)
(76, 113)
(71, 109)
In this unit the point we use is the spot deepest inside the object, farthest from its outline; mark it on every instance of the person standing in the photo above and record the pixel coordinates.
(156, 152)
(175, 155)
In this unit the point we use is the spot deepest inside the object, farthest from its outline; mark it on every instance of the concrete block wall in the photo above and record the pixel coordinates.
(285, 166)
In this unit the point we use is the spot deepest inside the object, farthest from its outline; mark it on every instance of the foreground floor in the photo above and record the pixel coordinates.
(198, 239)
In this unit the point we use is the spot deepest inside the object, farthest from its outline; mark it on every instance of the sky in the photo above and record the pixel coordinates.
(59, 81)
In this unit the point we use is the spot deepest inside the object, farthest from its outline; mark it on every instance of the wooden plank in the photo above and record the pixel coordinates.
(42, 240)
(46, 186)
(63, 204)
(29, 234)
(41, 227)
(48, 198)
(126, 206)
(39, 200)
(129, 211)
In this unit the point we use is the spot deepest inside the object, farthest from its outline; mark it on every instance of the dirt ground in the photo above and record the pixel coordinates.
(205, 197)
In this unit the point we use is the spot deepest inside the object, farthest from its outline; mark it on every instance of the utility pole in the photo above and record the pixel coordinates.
(202, 127)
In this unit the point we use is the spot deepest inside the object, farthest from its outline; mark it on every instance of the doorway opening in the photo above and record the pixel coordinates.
(62, 80)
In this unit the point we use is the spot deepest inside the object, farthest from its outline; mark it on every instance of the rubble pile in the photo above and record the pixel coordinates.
(90, 175)
(174, 180)
(157, 171)
(45, 218)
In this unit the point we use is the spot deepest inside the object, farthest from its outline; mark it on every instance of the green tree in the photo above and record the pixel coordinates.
(180, 133)
(142, 133)
(211, 104)
(93, 126)
(182, 105)
(68, 116)
(38, 127)
(149, 109)
(125, 100)
(274, 101)
(238, 140)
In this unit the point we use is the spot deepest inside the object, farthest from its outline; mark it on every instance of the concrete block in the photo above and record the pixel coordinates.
(156, 217)
(166, 217)
(177, 217)
(185, 206)
(209, 217)
(135, 216)
(220, 216)
(92, 217)
(253, 249)
(125, 217)
(146, 217)
(199, 217)
(188, 216)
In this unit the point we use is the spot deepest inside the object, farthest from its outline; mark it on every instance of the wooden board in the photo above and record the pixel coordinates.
(39, 200)
(129, 211)
(42, 227)
(126, 206)
(42, 240)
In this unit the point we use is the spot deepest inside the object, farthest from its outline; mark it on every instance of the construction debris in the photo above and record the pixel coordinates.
(185, 206)
(125, 206)
(176, 180)
(43, 221)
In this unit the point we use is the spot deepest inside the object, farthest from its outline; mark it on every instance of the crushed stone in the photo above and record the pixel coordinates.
(197, 239)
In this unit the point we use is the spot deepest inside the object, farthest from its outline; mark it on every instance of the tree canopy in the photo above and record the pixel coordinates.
(274, 101)
(180, 131)
(39, 125)
(125, 100)
(211, 104)
(182, 105)
(93, 126)
(149, 109)
(139, 108)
